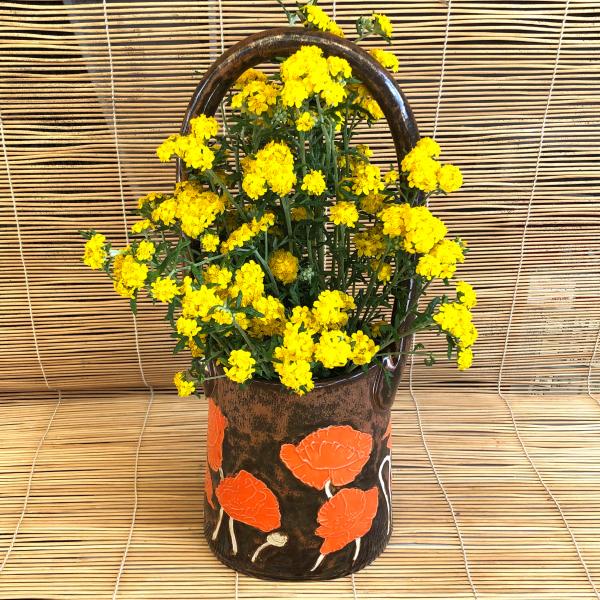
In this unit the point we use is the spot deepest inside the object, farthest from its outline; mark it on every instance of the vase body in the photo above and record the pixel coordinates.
(298, 487)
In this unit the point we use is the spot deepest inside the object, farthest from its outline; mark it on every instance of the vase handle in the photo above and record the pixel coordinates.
(281, 42)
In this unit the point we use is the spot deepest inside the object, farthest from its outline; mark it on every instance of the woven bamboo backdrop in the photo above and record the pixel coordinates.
(88, 89)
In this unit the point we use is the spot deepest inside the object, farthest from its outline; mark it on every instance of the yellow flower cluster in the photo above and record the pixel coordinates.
(317, 17)
(330, 309)
(367, 102)
(370, 242)
(192, 148)
(196, 209)
(420, 230)
(343, 213)
(145, 250)
(441, 261)
(455, 319)
(366, 178)
(272, 167)
(129, 275)
(249, 281)
(95, 255)
(466, 294)
(426, 173)
(184, 387)
(241, 366)
(164, 289)
(305, 122)
(314, 183)
(307, 72)
(383, 24)
(385, 59)
(257, 97)
(246, 232)
(284, 266)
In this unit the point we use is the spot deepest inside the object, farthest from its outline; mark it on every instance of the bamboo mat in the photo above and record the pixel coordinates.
(72, 537)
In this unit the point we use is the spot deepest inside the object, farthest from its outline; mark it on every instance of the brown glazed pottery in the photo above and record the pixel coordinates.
(298, 487)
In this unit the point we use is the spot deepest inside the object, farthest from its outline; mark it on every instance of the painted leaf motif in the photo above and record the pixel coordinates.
(348, 515)
(208, 488)
(336, 453)
(248, 500)
(217, 423)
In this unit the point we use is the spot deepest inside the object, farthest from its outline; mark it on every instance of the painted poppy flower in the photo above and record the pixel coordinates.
(346, 517)
(247, 499)
(334, 454)
(217, 423)
(208, 488)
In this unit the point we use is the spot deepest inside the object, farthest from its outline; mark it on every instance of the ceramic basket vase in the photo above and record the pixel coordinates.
(298, 487)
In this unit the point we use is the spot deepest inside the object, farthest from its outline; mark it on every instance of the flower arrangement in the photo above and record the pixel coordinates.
(282, 254)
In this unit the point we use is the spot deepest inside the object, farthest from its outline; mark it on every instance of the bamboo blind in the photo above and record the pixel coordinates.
(529, 209)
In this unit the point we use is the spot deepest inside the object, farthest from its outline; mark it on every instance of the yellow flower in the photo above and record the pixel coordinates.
(203, 127)
(314, 183)
(241, 366)
(384, 25)
(220, 277)
(466, 294)
(333, 349)
(335, 29)
(333, 93)
(330, 308)
(95, 255)
(195, 350)
(343, 213)
(248, 76)
(187, 327)
(295, 375)
(196, 209)
(339, 67)
(272, 321)
(273, 165)
(199, 302)
(456, 319)
(316, 16)
(429, 147)
(165, 212)
(385, 59)
(299, 213)
(165, 289)
(305, 122)
(384, 273)
(372, 203)
(141, 226)
(284, 266)
(150, 199)
(370, 242)
(368, 103)
(129, 275)
(363, 348)
(449, 178)
(246, 231)
(249, 280)
(294, 93)
(167, 148)
(256, 97)
(184, 387)
(390, 176)
(210, 242)
(297, 344)
(441, 261)
(366, 178)
(464, 359)
(145, 250)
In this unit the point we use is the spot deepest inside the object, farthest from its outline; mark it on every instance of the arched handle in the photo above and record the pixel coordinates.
(283, 41)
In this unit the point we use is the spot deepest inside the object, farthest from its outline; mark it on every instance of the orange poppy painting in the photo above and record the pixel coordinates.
(332, 455)
(345, 518)
(217, 423)
(246, 499)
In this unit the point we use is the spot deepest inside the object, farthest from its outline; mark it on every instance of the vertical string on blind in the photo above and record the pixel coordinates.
(514, 301)
(41, 441)
(135, 325)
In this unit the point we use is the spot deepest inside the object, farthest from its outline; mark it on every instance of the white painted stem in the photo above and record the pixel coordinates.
(234, 547)
(216, 531)
(356, 552)
(387, 459)
(258, 551)
(328, 489)
(319, 561)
